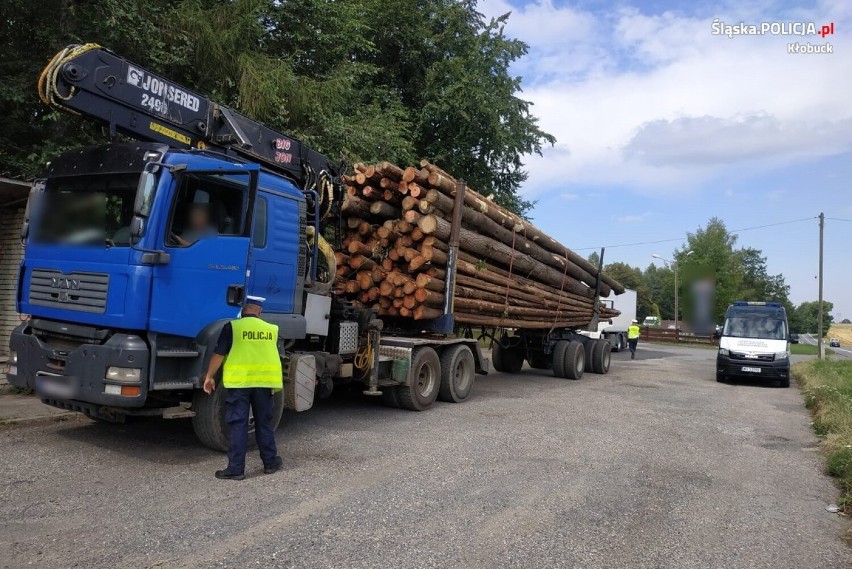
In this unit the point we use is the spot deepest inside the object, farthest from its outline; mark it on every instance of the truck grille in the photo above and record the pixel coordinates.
(86, 292)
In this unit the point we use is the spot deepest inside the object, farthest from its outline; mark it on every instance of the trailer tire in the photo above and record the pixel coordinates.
(457, 374)
(425, 381)
(589, 347)
(209, 419)
(559, 358)
(575, 360)
(601, 357)
(506, 360)
(390, 396)
(539, 360)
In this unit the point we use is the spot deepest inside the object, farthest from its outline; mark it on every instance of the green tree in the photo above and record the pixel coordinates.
(362, 79)
(805, 318)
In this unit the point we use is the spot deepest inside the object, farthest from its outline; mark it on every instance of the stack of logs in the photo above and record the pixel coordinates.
(393, 256)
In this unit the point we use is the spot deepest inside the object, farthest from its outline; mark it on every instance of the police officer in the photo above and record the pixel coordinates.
(633, 338)
(252, 373)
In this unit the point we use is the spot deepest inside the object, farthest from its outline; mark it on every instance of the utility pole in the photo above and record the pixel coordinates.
(820, 346)
(677, 307)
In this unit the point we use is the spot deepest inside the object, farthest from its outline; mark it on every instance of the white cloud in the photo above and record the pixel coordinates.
(634, 218)
(569, 197)
(655, 103)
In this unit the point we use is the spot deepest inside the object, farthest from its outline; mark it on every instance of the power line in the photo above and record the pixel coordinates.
(839, 219)
(675, 239)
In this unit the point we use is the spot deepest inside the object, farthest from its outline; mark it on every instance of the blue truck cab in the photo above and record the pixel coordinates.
(136, 255)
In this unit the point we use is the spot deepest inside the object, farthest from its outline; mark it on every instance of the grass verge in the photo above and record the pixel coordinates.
(827, 386)
(807, 350)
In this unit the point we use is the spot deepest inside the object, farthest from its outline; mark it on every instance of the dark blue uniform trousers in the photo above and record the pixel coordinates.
(237, 403)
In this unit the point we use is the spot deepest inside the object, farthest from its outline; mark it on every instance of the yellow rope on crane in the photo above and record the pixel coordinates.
(364, 358)
(48, 90)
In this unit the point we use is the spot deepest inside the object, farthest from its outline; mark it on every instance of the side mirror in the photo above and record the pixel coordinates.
(145, 194)
(137, 227)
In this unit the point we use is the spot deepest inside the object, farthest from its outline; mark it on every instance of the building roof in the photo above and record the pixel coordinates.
(13, 192)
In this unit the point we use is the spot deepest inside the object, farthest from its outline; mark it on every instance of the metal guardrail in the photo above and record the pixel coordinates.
(652, 334)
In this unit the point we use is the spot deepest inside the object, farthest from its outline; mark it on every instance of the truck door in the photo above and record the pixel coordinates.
(206, 236)
(275, 251)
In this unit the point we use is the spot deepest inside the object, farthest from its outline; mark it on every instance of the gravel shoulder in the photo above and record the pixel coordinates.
(653, 465)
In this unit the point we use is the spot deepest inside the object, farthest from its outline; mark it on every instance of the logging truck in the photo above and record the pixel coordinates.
(137, 254)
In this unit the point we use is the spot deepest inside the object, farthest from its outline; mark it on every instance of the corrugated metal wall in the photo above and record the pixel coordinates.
(11, 253)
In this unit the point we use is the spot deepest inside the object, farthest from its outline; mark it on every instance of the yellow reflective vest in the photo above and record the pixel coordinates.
(633, 332)
(253, 360)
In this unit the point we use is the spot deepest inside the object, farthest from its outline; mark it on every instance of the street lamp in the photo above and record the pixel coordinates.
(674, 265)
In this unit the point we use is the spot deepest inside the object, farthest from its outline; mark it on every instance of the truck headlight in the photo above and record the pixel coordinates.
(724, 352)
(124, 374)
(781, 355)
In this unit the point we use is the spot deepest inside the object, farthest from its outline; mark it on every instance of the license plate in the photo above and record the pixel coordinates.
(751, 369)
(53, 385)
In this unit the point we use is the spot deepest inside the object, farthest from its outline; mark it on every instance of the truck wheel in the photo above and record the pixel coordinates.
(209, 419)
(457, 374)
(575, 360)
(424, 381)
(619, 343)
(390, 396)
(589, 348)
(601, 356)
(559, 358)
(507, 360)
(539, 360)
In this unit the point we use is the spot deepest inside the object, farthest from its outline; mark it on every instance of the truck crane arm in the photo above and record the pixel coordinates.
(93, 82)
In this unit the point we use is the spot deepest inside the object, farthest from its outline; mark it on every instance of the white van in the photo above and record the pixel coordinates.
(755, 343)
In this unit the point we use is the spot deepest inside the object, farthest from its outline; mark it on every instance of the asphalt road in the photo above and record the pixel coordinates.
(654, 465)
(812, 340)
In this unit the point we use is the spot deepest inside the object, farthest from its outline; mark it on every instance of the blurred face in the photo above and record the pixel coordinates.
(251, 310)
(199, 218)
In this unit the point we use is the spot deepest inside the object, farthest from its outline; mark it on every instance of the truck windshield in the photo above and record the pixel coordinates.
(755, 326)
(86, 210)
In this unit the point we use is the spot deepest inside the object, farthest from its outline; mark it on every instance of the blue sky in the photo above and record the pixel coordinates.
(661, 125)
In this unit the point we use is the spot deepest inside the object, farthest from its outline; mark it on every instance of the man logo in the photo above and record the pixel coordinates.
(135, 76)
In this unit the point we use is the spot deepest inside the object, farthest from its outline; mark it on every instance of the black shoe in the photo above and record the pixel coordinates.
(225, 475)
(275, 467)
(632, 356)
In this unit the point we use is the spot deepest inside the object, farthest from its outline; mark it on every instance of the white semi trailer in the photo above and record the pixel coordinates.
(615, 329)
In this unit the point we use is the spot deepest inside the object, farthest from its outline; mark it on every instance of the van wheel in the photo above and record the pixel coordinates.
(720, 377)
(784, 382)
(424, 381)
(209, 419)
(457, 374)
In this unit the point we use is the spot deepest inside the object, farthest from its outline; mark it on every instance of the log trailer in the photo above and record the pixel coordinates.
(137, 253)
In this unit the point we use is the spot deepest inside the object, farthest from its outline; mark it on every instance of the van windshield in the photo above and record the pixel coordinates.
(754, 326)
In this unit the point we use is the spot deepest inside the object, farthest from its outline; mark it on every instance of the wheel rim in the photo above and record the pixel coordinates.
(606, 360)
(425, 380)
(580, 362)
(461, 375)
